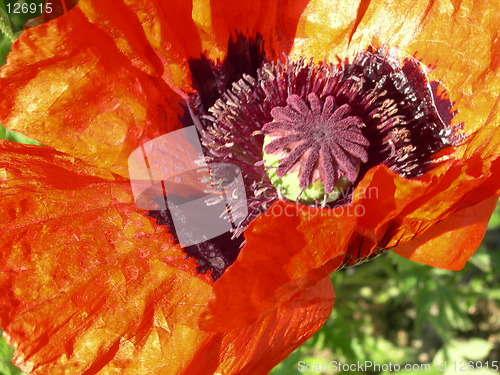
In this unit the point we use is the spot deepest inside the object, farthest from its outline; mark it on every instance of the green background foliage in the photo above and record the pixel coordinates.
(389, 310)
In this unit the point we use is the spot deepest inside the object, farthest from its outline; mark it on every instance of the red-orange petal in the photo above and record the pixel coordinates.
(86, 278)
(420, 207)
(89, 284)
(92, 90)
(257, 348)
(287, 250)
(451, 242)
(324, 30)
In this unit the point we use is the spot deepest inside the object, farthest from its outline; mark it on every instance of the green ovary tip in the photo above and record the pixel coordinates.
(288, 185)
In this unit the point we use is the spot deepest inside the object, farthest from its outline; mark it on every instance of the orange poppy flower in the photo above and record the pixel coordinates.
(90, 284)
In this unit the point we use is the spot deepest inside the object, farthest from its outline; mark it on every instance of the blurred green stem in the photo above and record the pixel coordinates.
(5, 27)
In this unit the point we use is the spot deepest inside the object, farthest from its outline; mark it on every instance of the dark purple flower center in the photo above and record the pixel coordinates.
(327, 122)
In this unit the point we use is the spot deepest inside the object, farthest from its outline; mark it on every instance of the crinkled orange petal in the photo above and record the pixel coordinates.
(324, 29)
(461, 42)
(451, 242)
(392, 210)
(277, 262)
(257, 348)
(157, 35)
(86, 279)
(271, 339)
(95, 91)
(274, 20)
(89, 284)
(486, 140)
(217, 20)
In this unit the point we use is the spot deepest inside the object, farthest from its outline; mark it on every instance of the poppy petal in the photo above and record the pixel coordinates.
(486, 140)
(257, 348)
(277, 262)
(269, 342)
(323, 30)
(447, 38)
(217, 20)
(418, 205)
(90, 284)
(86, 279)
(74, 87)
(452, 241)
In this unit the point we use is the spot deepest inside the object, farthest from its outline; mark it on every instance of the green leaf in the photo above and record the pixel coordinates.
(423, 302)
(5, 26)
(495, 218)
(6, 352)
(475, 349)
(5, 47)
(13, 136)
